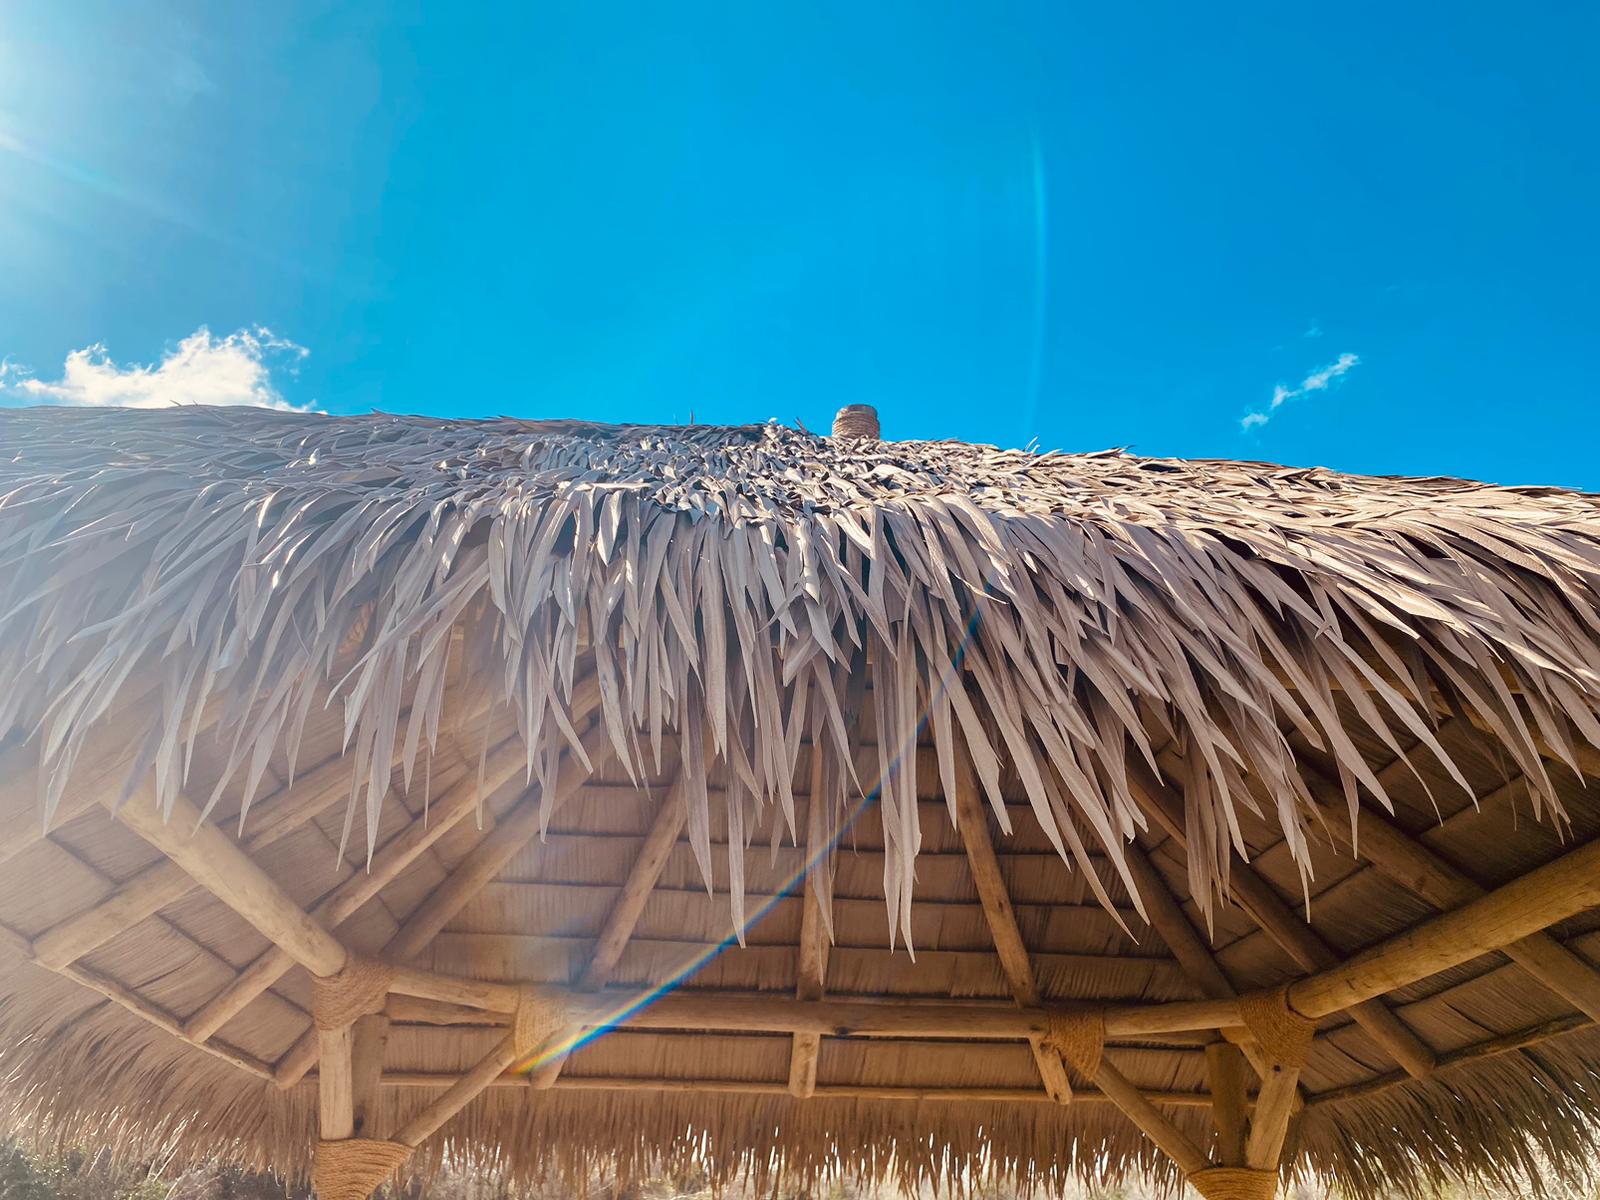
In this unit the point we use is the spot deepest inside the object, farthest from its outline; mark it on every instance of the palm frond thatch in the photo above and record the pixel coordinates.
(245, 595)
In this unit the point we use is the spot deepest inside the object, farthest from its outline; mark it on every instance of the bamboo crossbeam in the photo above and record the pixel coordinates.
(741, 1087)
(1297, 939)
(1426, 874)
(1513, 911)
(972, 824)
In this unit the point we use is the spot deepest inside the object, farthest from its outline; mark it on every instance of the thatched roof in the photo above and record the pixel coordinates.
(1161, 690)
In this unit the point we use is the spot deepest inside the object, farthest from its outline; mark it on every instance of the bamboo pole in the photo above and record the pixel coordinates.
(972, 823)
(458, 802)
(811, 971)
(1225, 1072)
(1426, 874)
(627, 909)
(1297, 939)
(1511, 912)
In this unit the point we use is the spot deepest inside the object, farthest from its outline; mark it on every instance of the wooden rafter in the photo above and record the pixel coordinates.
(1169, 920)
(628, 907)
(126, 998)
(474, 872)
(457, 803)
(973, 825)
(1297, 939)
(164, 882)
(811, 971)
(1505, 1043)
(1429, 876)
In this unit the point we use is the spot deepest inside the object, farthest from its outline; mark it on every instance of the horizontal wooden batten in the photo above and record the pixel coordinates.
(824, 1091)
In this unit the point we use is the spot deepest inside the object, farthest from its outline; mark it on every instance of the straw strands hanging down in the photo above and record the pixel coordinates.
(738, 587)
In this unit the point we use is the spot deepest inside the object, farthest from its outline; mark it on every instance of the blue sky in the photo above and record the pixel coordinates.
(1085, 225)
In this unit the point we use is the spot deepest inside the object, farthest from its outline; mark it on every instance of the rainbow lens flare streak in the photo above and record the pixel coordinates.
(560, 1048)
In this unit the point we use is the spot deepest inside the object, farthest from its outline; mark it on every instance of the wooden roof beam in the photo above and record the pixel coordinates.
(1494, 1047)
(109, 989)
(1428, 875)
(811, 972)
(1530, 903)
(1297, 939)
(757, 1087)
(482, 863)
(459, 801)
(973, 825)
(626, 910)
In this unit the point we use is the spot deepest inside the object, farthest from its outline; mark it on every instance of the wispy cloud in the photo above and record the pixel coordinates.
(1313, 330)
(1318, 381)
(201, 369)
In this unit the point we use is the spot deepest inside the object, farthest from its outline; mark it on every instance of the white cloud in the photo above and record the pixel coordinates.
(1318, 381)
(201, 369)
(1313, 330)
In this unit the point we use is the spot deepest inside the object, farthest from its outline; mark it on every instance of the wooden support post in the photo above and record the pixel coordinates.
(335, 1085)
(1294, 936)
(1225, 1072)
(973, 825)
(812, 968)
(370, 1037)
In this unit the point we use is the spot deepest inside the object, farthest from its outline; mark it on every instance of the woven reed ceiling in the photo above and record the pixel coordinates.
(716, 713)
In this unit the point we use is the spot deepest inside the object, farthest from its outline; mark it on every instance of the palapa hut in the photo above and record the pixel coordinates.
(545, 795)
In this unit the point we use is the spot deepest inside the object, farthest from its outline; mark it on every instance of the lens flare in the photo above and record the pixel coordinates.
(627, 1007)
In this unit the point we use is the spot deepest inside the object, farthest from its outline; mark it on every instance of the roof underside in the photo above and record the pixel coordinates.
(795, 639)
